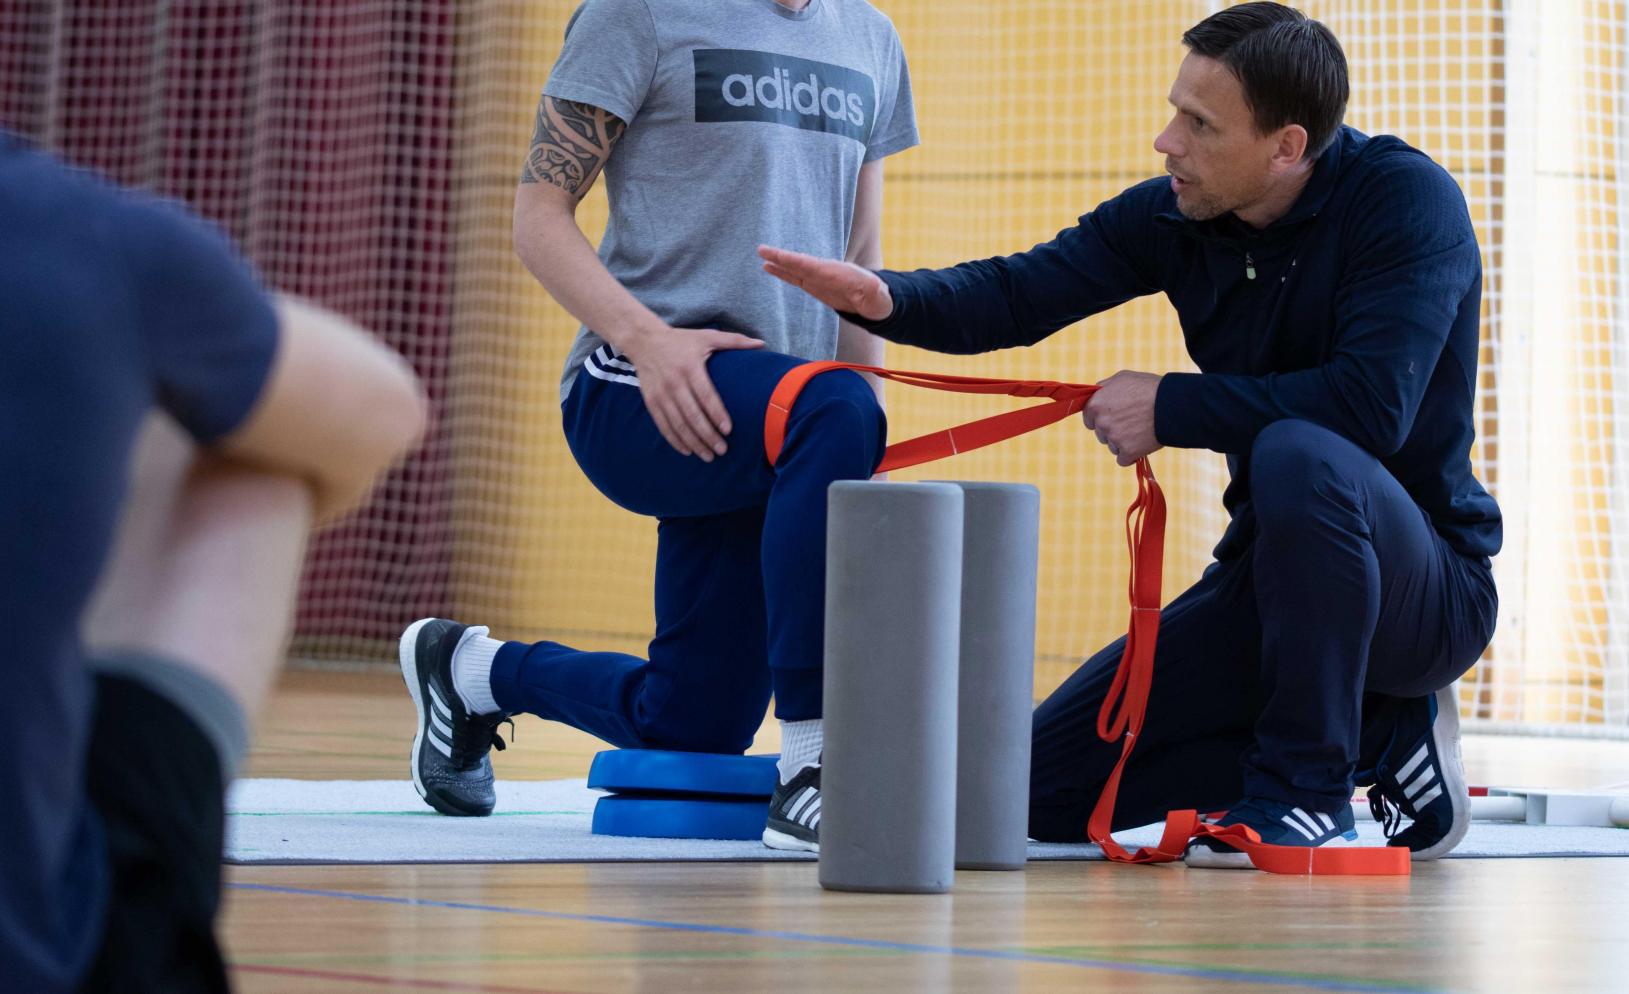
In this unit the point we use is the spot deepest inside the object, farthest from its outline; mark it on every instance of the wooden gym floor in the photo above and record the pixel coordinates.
(1520, 925)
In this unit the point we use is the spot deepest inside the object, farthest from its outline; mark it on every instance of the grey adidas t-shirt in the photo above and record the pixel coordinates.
(747, 124)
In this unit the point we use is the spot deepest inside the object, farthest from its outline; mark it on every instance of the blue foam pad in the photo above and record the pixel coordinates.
(654, 771)
(679, 817)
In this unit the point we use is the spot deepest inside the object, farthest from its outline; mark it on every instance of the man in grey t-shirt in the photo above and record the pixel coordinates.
(719, 126)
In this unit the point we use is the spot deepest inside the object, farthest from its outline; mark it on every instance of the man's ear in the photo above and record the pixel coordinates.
(1292, 145)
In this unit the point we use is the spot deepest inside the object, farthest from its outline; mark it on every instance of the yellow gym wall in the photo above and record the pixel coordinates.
(1031, 112)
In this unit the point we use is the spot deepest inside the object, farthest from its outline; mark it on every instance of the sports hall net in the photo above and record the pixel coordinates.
(365, 154)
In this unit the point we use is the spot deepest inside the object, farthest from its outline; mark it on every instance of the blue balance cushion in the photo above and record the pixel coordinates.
(690, 774)
(680, 818)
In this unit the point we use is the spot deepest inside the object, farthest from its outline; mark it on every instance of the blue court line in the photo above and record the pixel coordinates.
(1196, 972)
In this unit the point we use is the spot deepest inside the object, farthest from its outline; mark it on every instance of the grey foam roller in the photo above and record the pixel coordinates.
(1001, 536)
(893, 600)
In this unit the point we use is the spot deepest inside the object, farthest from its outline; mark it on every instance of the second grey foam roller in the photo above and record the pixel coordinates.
(1001, 541)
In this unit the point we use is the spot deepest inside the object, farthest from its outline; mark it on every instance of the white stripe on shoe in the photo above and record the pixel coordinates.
(1415, 760)
(1313, 829)
(438, 706)
(1329, 823)
(1425, 779)
(1428, 797)
(1296, 824)
(443, 743)
(808, 795)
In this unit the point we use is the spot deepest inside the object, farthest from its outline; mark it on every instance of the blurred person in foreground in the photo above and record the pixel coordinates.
(170, 433)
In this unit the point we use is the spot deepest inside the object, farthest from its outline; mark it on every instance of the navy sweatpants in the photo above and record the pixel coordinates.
(740, 560)
(1262, 667)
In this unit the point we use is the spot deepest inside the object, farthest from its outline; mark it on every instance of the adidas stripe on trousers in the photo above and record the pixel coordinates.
(740, 560)
(1262, 667)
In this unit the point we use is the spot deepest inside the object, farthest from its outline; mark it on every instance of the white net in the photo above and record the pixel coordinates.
(365, 154)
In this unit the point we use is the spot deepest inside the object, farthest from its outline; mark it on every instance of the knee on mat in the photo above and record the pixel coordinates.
(846, 409)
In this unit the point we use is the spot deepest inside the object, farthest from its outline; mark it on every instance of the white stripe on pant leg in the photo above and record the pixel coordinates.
(600, 374)
(613, 361)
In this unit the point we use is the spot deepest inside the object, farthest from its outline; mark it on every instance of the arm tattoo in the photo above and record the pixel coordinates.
(570, 145)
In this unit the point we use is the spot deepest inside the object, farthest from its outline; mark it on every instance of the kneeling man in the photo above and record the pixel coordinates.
(1328, 287)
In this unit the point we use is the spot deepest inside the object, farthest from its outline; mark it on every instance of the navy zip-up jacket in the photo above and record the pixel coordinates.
(1357, 310)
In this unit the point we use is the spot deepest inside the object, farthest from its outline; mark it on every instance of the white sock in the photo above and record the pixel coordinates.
(801, 742)
(472, 669)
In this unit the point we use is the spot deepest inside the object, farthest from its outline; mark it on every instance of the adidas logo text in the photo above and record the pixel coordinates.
(807, 97)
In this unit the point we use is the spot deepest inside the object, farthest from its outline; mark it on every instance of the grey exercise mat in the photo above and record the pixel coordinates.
(383, 821)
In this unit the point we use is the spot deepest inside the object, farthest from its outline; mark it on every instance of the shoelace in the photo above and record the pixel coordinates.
(1386, 813)
(478, 734)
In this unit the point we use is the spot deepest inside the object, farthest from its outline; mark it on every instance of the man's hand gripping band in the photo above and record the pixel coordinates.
(1126, 704)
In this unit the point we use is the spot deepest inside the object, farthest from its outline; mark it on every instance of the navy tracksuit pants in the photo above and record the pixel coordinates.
(740, 560)
(1263, 667)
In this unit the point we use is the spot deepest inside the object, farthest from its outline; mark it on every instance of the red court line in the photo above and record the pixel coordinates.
(369, 978)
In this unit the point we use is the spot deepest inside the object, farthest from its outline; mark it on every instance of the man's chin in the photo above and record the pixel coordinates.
(1196, 209)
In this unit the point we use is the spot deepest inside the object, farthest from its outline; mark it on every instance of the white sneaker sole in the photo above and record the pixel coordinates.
(1445, 738)
(407, 652)
(780, 840)
(1206, 858)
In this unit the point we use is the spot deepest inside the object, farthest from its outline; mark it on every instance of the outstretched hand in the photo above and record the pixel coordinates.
(842, 286)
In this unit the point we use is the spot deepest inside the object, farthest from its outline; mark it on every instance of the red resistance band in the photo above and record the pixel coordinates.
(1126, 705)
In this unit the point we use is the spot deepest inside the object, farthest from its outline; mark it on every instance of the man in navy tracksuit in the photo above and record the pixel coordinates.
(1328, 286)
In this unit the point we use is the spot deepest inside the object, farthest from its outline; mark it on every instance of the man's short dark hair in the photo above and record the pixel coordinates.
(1291, 67)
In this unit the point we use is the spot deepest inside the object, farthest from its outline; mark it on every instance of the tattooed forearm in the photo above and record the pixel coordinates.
(570, 145)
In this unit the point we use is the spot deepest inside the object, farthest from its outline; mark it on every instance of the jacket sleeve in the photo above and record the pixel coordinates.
(1104, 260)
(1411, 259)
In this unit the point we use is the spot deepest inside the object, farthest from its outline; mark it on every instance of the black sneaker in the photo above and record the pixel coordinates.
(794, 813)
(1278, 824)
(1420, 774)
(451, 768)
